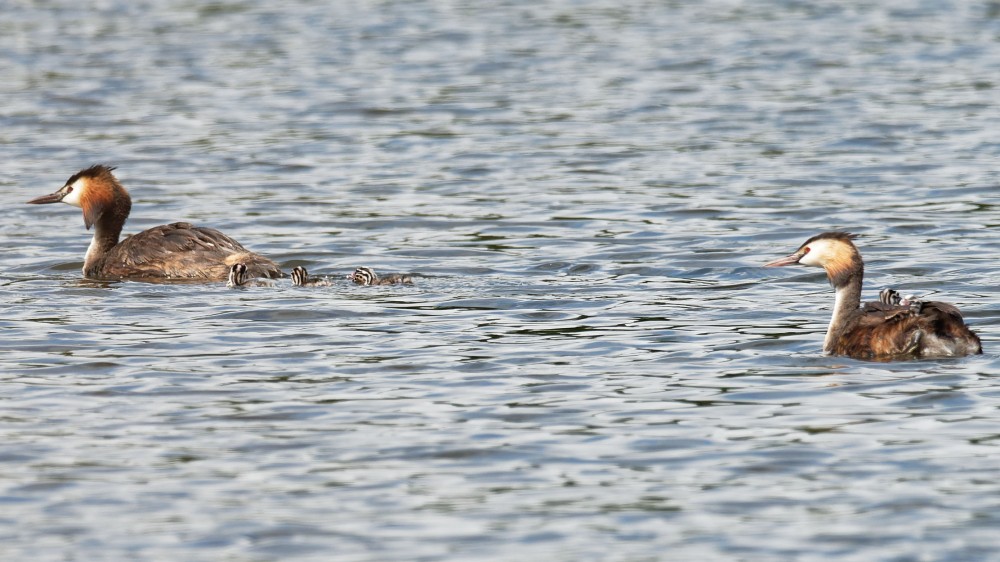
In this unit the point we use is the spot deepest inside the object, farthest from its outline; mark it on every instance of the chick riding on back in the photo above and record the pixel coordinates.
(888, 329)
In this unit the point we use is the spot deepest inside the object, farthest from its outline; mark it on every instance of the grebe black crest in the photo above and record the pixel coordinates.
(300, 278)
(172, 251)
(895, 327)
(239, 276)
(367, 276)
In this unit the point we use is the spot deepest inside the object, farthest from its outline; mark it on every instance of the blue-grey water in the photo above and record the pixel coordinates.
(592, 365)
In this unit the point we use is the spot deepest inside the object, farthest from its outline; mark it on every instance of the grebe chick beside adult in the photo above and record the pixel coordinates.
(239, 276)
(367, 276)
(882, 330)
(300, 278)
(179, 251)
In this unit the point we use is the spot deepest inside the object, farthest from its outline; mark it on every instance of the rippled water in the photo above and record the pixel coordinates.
(591, 365)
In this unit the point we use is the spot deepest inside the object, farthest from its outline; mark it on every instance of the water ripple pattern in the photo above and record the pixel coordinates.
(591, 365)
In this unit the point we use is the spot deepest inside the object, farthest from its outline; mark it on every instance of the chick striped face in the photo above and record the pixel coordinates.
(890, 297)
(237, 275)
(299, 276)
(363, 276)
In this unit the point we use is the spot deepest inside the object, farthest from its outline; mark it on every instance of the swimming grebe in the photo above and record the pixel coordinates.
(300, 278)
(239, 276)
(880, 330)
(367, 276)
(171, 251)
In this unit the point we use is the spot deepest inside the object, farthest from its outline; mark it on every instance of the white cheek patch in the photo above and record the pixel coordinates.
(819, 252)
(73, 197)
(811, 258)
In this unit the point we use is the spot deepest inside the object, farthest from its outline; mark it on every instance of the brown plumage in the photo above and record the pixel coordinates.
(178, 251)
(879, 330)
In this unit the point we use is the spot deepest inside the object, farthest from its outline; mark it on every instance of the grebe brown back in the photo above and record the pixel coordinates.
(367, 276)
(300, 278)
(171, 251)
(890, 329)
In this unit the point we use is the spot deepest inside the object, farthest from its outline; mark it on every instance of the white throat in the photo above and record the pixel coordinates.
(91, 254)
(833, 330)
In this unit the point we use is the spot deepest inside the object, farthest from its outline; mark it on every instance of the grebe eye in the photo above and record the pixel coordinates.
(806, 250)
(69, 189)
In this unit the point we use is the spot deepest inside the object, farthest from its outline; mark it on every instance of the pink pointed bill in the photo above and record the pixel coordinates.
(787, 260)
(50, 198)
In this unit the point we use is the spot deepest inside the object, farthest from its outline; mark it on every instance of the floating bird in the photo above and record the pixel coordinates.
(367, 276)
(894, 328)
(300, 278)
(177, 251)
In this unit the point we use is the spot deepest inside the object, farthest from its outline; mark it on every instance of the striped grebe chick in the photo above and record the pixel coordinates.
(300, 278)
(367, 276)
(171, 251)
(888, 329)
(893, 298)
(239, 276)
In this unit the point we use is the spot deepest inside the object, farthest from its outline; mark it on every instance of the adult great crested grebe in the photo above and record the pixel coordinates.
(880, 330)
(178, 251)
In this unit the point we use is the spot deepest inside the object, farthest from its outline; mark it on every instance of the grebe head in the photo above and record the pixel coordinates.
(833, 251)
(93, 190)
(363, 276)
(299, 276)
(241, 276)
(237, 275)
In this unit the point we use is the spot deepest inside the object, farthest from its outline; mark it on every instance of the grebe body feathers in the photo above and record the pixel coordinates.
(893, 328)
(172, 251)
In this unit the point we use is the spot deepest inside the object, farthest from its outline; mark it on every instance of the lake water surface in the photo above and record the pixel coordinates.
(592, 365)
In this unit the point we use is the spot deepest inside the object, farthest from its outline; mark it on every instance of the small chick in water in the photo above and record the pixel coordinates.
(367, 276)
(239, 277)
(300, 278)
